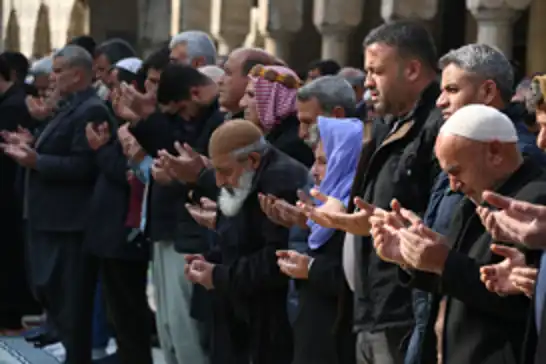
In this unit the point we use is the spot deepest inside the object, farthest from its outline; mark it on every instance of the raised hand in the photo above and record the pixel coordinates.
(122, 109)
(185, 167)
(385, 229)
(38, 108)
(97, 135)
(387, 243)
(515, 221)
(204, 214)
(23, 154)
(21, 136)
(281, 212)
(524, 279)
(131, 148)
(159, 173)
(496, 277)
(293, 264)
(422, 248)
(332, 214)
(141, 104)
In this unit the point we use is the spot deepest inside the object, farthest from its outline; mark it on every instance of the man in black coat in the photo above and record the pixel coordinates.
(13, 115)
(397, 162)
(250, 322)
(189, 114)
(60, 181)
(477, 148)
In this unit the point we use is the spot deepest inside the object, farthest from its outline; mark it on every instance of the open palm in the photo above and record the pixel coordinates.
(496, 277)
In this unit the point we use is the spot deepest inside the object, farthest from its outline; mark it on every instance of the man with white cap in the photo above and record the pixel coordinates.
(477, 148)
(127, 70)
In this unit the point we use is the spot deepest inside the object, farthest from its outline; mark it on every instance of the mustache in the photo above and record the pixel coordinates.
(229, 190)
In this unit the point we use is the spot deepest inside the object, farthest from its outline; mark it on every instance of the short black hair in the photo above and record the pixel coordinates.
(176, 82)
(126, 76)
(19, 64)
(86, 42)
(115, 50)
(409, 37)
(5, 69)
(158, 60)
(326, 67)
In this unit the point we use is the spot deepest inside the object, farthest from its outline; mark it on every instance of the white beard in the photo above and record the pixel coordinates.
(231, 201)
(313, 138)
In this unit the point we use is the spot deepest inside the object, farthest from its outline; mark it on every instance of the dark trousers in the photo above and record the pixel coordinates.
(421, 311)
(102, 332)
(62, 276)
(382, 347)
(17, 299)
(124, 289)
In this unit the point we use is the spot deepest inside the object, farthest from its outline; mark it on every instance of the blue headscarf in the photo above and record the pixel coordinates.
(342, 143)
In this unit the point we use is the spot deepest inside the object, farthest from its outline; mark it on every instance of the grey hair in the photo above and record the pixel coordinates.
(354, 76)
(484, 62)
(260, 146)
(43, 66)
(533, 97)
(198, 43)
(330, 92)
(212, 72)
(77, 56)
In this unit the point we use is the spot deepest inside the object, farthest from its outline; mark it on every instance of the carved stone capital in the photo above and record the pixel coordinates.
(254, 38)
(279, 16)
(230, 21)
(337, 16)
(476, 6)
(195, 15)
(495, 20)
(408, 9)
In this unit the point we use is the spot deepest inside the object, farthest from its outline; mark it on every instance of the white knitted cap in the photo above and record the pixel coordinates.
(132, 64)
(481, 123)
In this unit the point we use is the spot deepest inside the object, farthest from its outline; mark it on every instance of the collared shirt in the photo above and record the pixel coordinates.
(142, 171)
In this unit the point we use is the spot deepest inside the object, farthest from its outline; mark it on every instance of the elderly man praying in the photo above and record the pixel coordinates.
(250, 323)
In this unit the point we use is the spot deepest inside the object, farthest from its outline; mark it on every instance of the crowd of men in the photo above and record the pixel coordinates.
(388, 215)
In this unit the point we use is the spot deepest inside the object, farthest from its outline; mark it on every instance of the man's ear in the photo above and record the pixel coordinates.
(338, 112)
(198, 62)
(255, 159)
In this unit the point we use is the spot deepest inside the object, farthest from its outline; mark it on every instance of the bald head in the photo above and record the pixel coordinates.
(252, 56)
(233, 137)
(237, 66)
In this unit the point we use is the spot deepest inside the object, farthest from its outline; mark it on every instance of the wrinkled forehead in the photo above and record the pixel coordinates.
(454, 149)
(224, 161)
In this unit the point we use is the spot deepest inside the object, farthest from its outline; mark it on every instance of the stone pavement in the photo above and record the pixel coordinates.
(15, 350)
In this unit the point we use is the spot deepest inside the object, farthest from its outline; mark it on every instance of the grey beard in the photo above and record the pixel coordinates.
(231, 199)
(313, 139)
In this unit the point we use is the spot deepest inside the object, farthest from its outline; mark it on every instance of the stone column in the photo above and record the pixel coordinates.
(229, 23)
(254, 39)
(495, 20)
(536, 47)
(195, 15)
(278, 20)
(335, 19)
(408, 9)
(154, 24)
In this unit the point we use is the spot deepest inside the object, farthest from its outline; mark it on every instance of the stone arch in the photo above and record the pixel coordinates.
(12, 41)
(42, 33)
(79, 19)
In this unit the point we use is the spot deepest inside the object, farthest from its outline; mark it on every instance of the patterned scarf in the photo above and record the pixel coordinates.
(274, 101)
